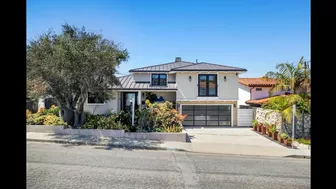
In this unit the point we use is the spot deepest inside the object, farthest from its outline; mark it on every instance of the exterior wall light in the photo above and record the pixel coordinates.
(225, 78)
(189, 78)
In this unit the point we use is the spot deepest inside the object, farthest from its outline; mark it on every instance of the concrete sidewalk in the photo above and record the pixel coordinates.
(217, 148)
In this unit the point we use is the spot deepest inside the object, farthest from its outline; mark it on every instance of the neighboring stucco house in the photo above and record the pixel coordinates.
(206, 92)
(256, 88)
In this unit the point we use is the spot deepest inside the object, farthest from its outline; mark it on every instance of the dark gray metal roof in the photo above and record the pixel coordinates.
(204, 66)
(128, 83)
(162, 67)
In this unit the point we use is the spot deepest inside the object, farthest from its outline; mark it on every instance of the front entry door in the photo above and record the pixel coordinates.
(127, 101)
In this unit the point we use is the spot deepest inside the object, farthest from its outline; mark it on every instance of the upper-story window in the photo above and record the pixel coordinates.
(207, 85)
(258, 89)
(159, 79)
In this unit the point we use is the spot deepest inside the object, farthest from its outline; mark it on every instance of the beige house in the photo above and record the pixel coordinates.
(206, 92)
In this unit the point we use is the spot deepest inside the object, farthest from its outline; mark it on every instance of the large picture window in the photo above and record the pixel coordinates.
(159, 79)
(207, 85)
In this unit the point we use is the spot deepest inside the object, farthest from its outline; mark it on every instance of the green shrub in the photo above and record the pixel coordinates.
(303, 141)
(52, 119)
(283, 135)
(54, 110)
(40, 118)
(125, 119)
(164, 118)
(35, 119)
(143, 120)
(102, 122)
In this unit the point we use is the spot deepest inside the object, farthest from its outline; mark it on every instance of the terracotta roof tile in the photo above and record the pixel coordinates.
(261, 101)
(252, 82)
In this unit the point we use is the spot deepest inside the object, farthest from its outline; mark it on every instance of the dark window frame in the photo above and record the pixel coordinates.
(159, 79)
(207, 85)
(259, 89)
(95, 100)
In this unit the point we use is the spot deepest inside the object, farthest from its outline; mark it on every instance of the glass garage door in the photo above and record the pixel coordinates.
(207, 115)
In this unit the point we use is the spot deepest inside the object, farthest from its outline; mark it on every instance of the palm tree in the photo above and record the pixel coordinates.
(290, 77)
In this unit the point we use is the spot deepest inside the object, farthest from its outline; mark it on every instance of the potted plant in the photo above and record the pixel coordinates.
(254, 124)
(287, 140)
(283, 137)
(268, 132)
(264, 128)
(279, 138)
(273, 132)
(260, 125)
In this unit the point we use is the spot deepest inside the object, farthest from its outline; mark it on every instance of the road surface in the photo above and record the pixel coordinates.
(52, 165)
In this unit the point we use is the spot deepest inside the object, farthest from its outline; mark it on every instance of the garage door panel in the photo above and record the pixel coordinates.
(213, 123)
(212, 118)
(213, 112)
(188, 123)
(225, 118)
(207, 115)
(224, 113)
(224, 123)
(189, 118)
(200, 117)
(188, 112)
(201, 123)
(200, 108)
(228, 108)
(188, 108)
(212, 107)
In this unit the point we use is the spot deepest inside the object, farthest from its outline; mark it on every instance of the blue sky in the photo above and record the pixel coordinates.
(252, 34)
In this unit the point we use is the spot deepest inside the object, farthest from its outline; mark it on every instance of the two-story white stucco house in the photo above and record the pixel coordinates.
(206, 92)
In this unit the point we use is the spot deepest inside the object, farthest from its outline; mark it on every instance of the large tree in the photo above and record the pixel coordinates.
(290, 76)
(72, 64)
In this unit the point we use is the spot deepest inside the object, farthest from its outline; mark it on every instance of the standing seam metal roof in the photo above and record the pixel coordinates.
(162, 67)
(128, 83)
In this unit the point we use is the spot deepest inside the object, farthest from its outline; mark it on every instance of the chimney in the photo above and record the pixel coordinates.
(178, 59)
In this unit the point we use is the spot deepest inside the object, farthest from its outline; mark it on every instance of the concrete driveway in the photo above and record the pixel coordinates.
(231, 136)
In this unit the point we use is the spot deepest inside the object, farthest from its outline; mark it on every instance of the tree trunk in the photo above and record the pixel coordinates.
(67, 115)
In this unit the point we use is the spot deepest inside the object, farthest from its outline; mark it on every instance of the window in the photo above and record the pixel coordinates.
(159, 79)
(258, 89)
(245, 107)
(207, 85)
(93, 98)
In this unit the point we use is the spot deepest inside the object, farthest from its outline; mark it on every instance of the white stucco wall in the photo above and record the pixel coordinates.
(147, 77)
(188, 90)
(264, 93)
(260, 94)
(244, 94)
(112, 104)
(141, 76)
(171, 77)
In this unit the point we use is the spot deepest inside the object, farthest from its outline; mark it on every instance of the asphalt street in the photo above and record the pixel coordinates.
(51, 165)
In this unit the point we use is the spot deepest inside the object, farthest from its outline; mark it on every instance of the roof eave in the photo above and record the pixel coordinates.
(144, 89)
(144, 71)
(206, 70)
(260, 85)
